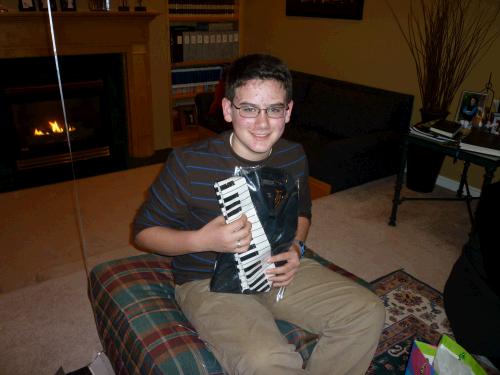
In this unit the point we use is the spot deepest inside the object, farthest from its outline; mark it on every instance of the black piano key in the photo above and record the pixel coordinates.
(234, 212)
(250, 274)
(227, 185)
(261, 280)
(232, 205)
(248, 255)
(249, 268)
(231, 197)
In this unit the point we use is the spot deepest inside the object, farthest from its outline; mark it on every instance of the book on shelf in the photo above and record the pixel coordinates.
(446, 128)
(190, 81)
(196, 75)
(481, 142)
(177, 42)
(201, 7)
(198, 45)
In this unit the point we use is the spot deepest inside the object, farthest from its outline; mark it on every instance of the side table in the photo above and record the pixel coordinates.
(488, 162)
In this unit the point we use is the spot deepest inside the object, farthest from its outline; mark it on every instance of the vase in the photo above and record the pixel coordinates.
(423, 165)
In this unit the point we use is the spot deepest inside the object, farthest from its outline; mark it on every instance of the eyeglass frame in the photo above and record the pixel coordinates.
(259, 110)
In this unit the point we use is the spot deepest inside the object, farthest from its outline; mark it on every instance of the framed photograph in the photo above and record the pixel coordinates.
(471, 107)
(184, 116)
(26, 5)
(347, 9)
(68, 5)
(496, 121)
(43, 5)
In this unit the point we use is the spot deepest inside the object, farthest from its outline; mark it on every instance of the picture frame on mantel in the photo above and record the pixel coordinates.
(68, 5)
(27, 5)
(43, 5)
(346, 9)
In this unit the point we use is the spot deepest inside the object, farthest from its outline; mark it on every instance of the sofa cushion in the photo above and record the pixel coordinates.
(343, 112)
(346, 109)
(143, 330)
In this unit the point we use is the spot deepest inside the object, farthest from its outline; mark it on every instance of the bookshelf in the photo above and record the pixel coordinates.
(204, 38)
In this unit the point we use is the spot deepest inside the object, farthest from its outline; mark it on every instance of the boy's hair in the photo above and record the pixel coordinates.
(257, 66)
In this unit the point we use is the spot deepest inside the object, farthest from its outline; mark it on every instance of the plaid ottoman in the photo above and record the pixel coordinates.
(143, 330)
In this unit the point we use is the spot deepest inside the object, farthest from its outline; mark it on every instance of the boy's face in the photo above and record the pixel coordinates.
(254, 137)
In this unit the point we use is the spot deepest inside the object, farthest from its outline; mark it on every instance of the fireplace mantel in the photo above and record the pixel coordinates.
(28, 35)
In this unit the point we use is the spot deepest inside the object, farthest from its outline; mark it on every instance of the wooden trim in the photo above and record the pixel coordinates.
(195, 18)
(78, 33)
(319, 188)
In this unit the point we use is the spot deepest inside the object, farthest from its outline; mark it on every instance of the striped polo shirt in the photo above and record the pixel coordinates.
(183, 196)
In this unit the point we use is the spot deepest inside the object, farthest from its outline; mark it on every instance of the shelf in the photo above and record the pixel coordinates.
(203, 18)
(189, 135)
(220, 48)
(184, 96)
(195, 63)
(24, 16)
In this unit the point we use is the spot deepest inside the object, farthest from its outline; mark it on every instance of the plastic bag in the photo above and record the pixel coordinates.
(275, 195)
(448, 358)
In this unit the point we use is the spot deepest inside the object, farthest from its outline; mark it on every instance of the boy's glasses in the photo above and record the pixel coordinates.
(250, 111)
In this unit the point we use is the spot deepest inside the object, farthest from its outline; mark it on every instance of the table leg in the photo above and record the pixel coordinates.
(399, 184)
(463, 179)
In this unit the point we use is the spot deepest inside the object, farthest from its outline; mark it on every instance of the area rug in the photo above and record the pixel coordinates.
(414, 311)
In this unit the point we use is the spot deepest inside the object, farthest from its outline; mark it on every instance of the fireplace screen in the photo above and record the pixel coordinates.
(34, 147)
(41, 133)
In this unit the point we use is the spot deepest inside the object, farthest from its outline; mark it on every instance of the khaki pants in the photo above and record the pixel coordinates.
(241, 332)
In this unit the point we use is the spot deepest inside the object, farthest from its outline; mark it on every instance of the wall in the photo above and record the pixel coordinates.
(371, 52)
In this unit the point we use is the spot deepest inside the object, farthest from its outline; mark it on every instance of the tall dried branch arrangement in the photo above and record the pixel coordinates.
(447, 39)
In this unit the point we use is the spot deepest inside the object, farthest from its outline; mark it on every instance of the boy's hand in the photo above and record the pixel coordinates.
(227, 238)
(282, 276)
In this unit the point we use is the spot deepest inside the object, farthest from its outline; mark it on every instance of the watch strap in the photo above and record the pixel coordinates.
(302, 247)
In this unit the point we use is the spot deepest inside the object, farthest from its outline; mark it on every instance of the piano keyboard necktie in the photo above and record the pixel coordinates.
(234, 200)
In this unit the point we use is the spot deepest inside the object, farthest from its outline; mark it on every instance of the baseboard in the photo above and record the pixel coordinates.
(450, 184)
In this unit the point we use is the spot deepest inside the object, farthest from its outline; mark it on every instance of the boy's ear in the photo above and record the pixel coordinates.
(289, 111)
(226, 110)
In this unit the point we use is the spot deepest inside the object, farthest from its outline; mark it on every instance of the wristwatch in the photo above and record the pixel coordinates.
(302, 247)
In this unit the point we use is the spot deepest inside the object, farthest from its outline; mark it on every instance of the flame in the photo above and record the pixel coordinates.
(55, 128)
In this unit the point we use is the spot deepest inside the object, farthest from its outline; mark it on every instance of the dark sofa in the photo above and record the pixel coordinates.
(350, 132)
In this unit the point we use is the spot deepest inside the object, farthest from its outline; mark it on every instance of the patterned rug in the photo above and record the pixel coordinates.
(414, 311)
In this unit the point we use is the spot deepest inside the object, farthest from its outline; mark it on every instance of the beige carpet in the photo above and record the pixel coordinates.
(48, 322)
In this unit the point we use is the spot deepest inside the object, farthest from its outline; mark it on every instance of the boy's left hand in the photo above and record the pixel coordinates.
(282, 276)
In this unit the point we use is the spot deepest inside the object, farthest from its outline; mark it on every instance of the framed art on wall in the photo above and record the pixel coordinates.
(68, 5)
(348, 9)
(43, 5)
(26, 5)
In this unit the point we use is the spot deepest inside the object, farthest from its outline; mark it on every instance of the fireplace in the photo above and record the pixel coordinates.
(36, 132)
(128, 124)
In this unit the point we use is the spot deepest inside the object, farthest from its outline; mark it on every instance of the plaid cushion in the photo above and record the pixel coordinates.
(143, 330)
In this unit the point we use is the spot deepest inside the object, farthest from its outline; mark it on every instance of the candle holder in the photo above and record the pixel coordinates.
(99, 5)
(124, 6)
(140, 7)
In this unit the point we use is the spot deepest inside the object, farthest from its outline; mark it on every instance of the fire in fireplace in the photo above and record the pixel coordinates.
(39, 138)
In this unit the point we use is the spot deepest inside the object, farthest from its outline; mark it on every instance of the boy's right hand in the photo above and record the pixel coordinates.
(227, 238)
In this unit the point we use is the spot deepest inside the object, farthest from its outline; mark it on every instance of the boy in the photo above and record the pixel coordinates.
(181, 218)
